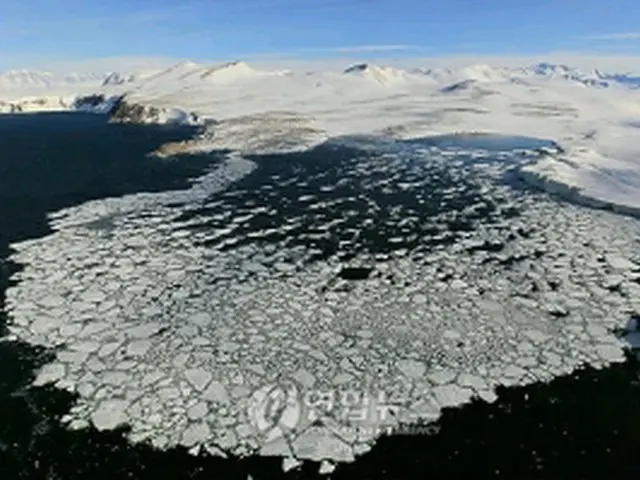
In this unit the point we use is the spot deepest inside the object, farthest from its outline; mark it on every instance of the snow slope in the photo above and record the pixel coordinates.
(25, 80)
(381, 75)
(593, 115)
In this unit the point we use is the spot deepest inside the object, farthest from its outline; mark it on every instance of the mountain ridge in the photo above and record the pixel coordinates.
(229, 72)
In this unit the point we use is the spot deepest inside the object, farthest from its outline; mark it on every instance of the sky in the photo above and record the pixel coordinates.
(33, 31)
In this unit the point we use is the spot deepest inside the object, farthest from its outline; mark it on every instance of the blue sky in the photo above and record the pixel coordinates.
(232, 29)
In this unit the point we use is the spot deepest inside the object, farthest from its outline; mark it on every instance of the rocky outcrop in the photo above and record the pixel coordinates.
(470, 86)
(458, 86)
(89, 101)
(176, 148)
(358, 68)
(379, 74)
(123, 111)
(95, 103)
(116, 78)
(7, 107)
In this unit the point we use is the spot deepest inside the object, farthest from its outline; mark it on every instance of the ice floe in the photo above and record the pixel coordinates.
(217, 317)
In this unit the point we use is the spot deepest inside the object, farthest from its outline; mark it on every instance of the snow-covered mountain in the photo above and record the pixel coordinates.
(543, 71)
(188, 88)
(177, 72)
(116, 78)
(564, 72)
(80, 78)
(235, 71)
(192, 73)
(480, 73)
(442, 76)
(627, 79)
(25, 78)
(380, 74)
(189, 73)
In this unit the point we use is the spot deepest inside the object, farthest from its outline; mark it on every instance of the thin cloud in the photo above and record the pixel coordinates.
(615, 36)
(366, 48)
(168, 13)
(294, 4)
(355, 49)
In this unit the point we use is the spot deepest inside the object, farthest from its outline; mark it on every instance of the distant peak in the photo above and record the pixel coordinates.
(483, 72)
(237, 66)
(546, 68)
(25, 78)
(552, 66)
(380, 74)
(182, 66)
(25, 72)
(116, 78)
(186, 64)
(459, 86)
(231, 71)
(237, 63)
(555, 71)
(359, 67)
(229, 66)
(177, 70)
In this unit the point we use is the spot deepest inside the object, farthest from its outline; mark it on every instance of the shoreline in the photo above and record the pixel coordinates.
(197, 145)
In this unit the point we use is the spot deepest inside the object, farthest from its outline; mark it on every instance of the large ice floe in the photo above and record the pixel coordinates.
(303, 305)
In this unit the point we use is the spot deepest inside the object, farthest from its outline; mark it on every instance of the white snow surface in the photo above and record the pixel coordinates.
(594, 115)
(18, 81)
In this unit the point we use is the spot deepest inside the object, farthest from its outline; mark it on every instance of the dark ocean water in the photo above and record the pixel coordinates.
(52, 161)
(580, 426)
